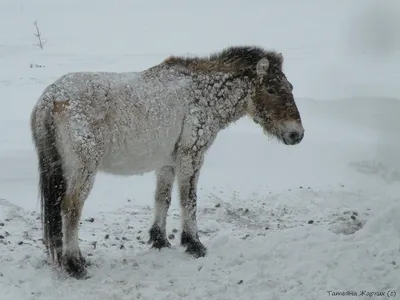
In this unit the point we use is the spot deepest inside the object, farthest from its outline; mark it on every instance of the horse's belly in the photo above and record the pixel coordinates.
(133, 158)
(133, 164)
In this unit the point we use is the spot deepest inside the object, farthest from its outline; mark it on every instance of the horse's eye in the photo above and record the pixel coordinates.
(271, 91)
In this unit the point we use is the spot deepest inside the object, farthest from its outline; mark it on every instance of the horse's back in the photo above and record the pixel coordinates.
(78, 84)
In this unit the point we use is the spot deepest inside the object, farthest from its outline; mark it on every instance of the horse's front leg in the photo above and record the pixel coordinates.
(158, 232)
(189, 165)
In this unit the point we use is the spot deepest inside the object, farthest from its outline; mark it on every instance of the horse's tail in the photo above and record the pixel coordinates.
(52, 181)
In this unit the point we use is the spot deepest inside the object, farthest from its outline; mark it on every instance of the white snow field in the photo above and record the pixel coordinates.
(319, 220)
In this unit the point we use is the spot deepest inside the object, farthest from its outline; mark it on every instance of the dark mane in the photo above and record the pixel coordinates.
(244, 55)
(237, 59)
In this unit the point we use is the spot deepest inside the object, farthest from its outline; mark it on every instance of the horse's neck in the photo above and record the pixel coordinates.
(225, 95)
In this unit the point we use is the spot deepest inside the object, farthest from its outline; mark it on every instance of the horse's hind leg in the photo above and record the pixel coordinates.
(165, 180)
(80, 161)
(79, 187)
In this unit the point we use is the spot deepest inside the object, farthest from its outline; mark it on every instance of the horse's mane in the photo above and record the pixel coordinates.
(238, 59)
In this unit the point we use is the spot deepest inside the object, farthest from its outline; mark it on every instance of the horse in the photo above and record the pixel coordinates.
(162, 119)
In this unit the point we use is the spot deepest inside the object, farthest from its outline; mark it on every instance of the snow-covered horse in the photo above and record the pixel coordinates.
(162, 119)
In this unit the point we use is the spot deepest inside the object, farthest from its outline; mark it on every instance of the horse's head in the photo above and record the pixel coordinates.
(273, 105)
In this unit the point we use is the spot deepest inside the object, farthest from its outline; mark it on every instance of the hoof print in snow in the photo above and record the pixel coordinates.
(171, 236)
(245, 237)
(310, 222)
(347, 224)
(378, 169)
(90, 220)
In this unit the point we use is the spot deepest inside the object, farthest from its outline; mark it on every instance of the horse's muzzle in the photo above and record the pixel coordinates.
(293, 137)
(292, 132)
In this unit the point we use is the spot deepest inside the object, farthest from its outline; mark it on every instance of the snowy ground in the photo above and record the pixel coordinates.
(279, 222)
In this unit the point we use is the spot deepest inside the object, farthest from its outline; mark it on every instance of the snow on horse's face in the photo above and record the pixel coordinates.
(273, 105)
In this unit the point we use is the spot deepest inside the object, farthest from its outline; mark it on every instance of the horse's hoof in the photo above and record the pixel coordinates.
(196, 249)
(75, 267)
(193, 245)
(159, 244)
(85, 262)
(158, 239)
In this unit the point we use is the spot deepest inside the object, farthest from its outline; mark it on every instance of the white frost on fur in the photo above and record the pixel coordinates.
(133, 123)
(135, 120)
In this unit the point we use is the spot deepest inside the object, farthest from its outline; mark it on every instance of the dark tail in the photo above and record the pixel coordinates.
(52, 183)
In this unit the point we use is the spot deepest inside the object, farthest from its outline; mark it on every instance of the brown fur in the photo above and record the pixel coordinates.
(273, 101)
(60, 106)
(233, 60)
(269, 103)
(202, 65)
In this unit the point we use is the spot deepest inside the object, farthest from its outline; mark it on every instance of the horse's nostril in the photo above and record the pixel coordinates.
(294, 136)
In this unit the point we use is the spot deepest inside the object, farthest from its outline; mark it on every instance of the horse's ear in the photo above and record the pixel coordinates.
(262, 66)
(280, 57)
